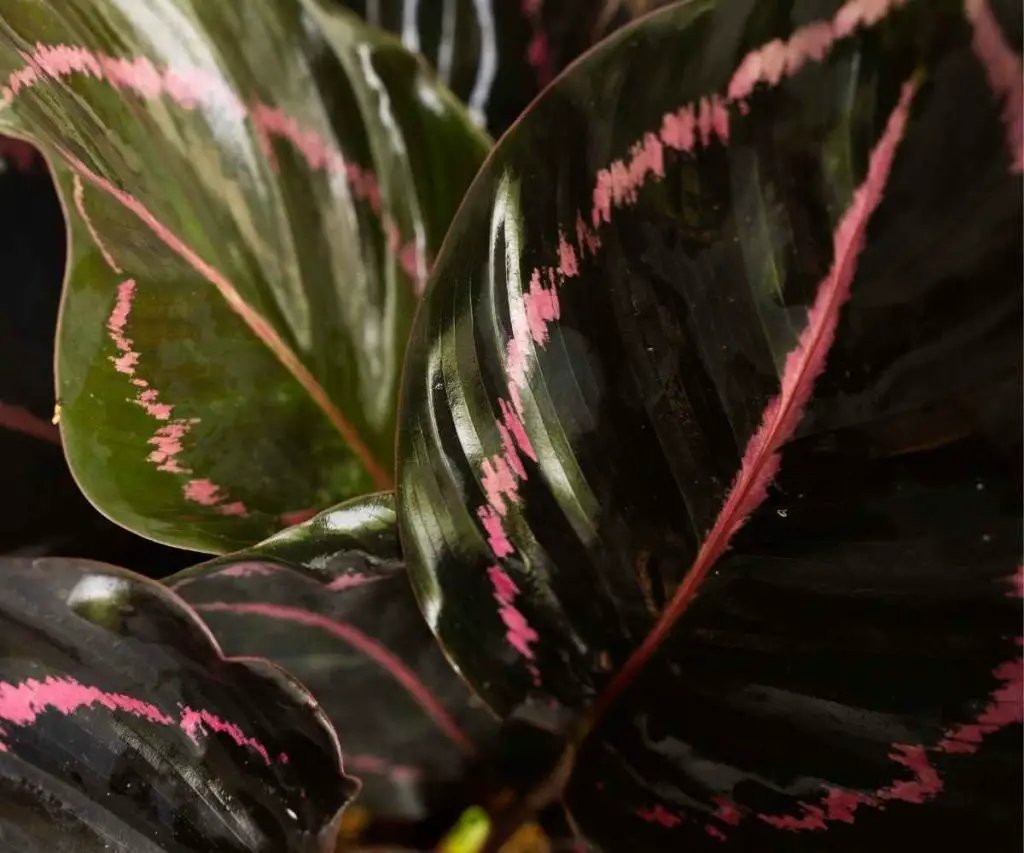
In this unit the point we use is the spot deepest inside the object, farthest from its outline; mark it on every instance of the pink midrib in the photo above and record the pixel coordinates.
(537, 52)
(21, 705)
(388, 661)
(617, 186)
(786, 408)
(1005, 75)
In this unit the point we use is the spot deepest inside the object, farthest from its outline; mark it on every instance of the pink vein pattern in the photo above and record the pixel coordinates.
(1004, 708)
(343, 582)
(168, 439)
(78, 194)
(1005, 75)
(659, 815)
(256, 323)
(520, 635)
(62, 60)
(683, 131)
(1006, 705)
(384, 658)
(22, 704)
(20, 419)
(382, 767)
(190, 87)
(782, 415)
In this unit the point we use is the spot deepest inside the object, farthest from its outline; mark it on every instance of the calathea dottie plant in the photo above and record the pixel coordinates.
(648, 480)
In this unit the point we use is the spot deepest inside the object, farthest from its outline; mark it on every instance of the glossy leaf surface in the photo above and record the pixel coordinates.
(330, 601)
(711, 427)
(496, 55)
(122, 728)
(42, 511)
(254, 197)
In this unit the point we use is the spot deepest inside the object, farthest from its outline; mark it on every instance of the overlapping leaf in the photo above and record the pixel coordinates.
(330, 601)
(711, 427)
(122, 728)
(497, 56)
(254, 196)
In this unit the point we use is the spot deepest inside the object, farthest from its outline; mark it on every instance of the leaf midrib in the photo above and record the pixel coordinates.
(255, 322)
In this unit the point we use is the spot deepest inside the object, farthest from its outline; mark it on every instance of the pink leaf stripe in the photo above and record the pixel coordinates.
(684, 131)
(782, 415)
(20, 419)
(393, 665)
(538, 54)
(1004, 708)
(195, 722)
(382, 767)
(320, 155)
(238, 570)
(168, 439)
(1005, 75)
(254, 569)
(343, 582)
(23, 703)
(203, 490)
(191, 87)
(659, 815)
(78, 194)
(247, 570)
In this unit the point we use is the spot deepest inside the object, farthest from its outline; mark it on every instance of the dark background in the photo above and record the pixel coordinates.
(42, 512)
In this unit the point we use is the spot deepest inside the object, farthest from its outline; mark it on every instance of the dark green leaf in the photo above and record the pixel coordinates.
(254, 196)
(330, 601)
(122, 728)
(33, 478)
(711, 427)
